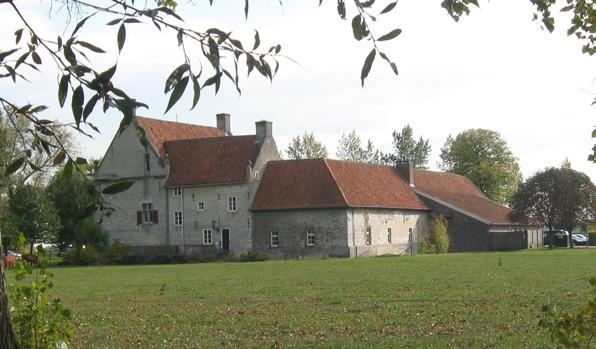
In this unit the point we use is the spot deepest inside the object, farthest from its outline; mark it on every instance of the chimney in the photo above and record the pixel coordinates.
(404, 167)
(263, 130)
(223, 123)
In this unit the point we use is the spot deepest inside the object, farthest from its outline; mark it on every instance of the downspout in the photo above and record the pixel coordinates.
(354, 235)
(182, 213)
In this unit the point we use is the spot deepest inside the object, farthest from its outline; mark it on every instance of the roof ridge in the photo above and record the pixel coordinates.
(341, 191)
(173, 122)
(207, 139)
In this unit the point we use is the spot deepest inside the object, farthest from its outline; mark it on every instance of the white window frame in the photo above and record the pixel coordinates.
(207, 237)
(232, 204)
(178, 218)
(310, 238)
(199, 204)
(147, 207)
(275, 235)
(176, 191)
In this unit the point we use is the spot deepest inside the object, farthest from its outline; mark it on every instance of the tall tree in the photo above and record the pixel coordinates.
(306, 147)
(405, 147)
(75, 200)
(34, 214)
(558, 197)
(350, 149)
(484, 157)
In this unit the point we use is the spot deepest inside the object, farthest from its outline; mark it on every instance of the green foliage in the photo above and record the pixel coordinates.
(437, 238)
(557, 197)
(39, 321)
(253, 256)
(34, 214)
(306, 147)
(350, 149)
(117, 252)
(484, 157)
(405, 147)
(80, 255)
(572, 329)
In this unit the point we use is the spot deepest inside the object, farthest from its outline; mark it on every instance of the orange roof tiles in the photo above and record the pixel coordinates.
(160, 131)
(459, 191)
(320, 183)
(210, 160)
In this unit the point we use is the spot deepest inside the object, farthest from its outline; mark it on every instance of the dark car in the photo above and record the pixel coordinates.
(557, 237)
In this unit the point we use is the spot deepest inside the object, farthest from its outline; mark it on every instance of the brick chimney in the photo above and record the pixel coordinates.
(263, 130)
(406, 171)
(223, 123)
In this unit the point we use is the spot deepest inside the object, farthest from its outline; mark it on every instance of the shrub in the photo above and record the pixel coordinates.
(117, 253)
(253, 256)
(592, 239)
(572, 330)
(82, 256)
(39, 321)
(437, 238)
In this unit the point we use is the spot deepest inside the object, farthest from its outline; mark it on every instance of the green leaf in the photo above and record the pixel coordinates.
(67, 172)
(59, 158)
(79, 25)
(246, 8)
(14, 166)
(7, 53)
(77, 104)
(18, 34)
(90, 46)
(177, 92)
(107, 75)
(117, 187)
(367, 65)
(196, 90)
(391, 35)
(121, 36)
(89, 106)
(114, 21)
(36, 57)
(63, 89)
(69, 55)
(389, 7)
(132, 20)
(175, 76)
(341, 9)
(358, 27)
(257, 41)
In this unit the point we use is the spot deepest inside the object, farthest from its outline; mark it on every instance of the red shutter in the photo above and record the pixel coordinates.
(139, 217)
(154, 217)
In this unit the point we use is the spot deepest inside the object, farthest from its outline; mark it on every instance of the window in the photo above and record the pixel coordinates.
(200, 206)
(310, 238)
(274, 239)
(178, 218)
(147, 215)
(177, 191)
(147, 208)
(368, 236)
(207, 237)
(232, 204)
(389, 235)
(147, 163)
(256, 174)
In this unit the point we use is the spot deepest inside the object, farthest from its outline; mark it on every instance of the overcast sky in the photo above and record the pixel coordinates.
(495, 69)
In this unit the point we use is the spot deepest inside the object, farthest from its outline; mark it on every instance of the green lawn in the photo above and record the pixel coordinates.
(456, 300)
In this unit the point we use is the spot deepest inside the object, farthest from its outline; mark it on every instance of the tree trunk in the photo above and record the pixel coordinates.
(7, 338)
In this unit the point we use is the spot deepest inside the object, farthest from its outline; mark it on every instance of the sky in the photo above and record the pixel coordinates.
(494, 69)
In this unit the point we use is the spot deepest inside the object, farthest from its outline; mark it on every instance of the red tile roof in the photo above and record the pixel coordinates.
(160, 131)
(459, 191)
(210, 160)
(319, 183)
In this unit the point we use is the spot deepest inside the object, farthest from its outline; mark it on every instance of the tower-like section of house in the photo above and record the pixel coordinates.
(192, 185)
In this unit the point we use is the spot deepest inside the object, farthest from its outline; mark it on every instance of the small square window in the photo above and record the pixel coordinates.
(232, 204)
(274, 239)
(177, 191)
(178, 220)
(310, 238)
(200, 206)
(207, 237)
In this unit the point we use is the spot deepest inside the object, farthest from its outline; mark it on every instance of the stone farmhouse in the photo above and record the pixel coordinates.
(199, 189)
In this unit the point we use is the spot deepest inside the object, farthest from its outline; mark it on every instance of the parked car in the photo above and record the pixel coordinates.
(580, 239)
(559, 238)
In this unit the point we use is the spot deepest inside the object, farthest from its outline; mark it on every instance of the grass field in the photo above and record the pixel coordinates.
(456, 300)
